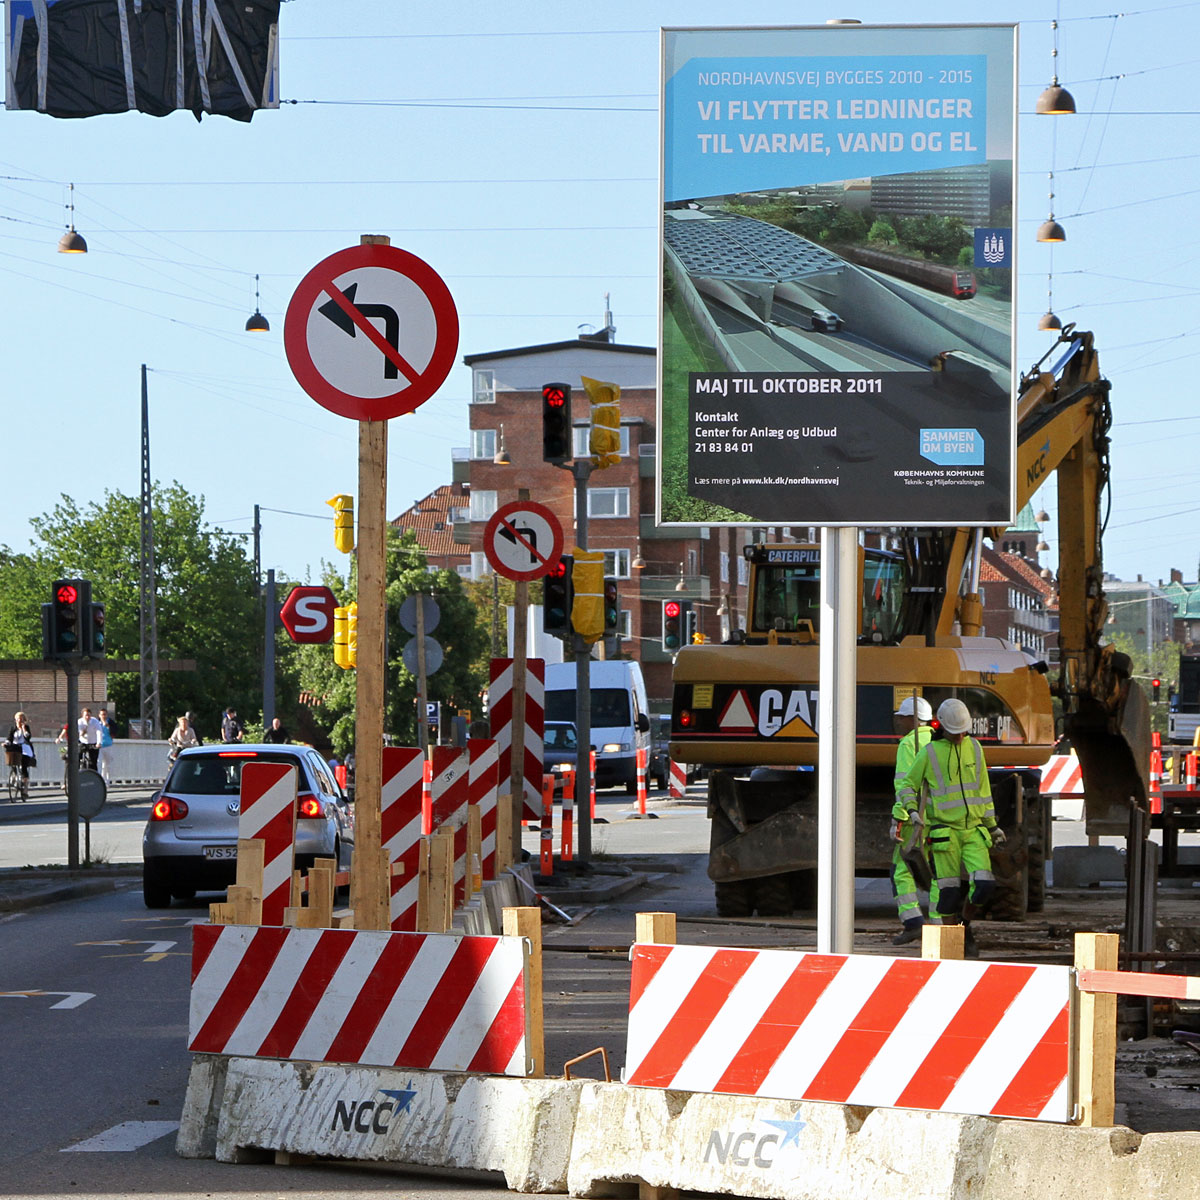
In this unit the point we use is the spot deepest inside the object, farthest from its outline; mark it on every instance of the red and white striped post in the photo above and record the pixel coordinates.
(643, 760)
(427, 799)
(401, 816)
(484, 756)
(450, 793)
(546, 842)
(1189, 769)
(568, 817)
(592, 801)
(678, 780)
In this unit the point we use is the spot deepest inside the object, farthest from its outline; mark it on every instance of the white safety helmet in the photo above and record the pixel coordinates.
(924, 712)
(954, 716)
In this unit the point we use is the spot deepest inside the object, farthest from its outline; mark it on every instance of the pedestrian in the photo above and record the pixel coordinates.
(89, 737)
(947, 794)
(232, 729)
(106, 743)
(911, 720)
(277, 735)
(195, 728)
(181, 738)
(20, 739)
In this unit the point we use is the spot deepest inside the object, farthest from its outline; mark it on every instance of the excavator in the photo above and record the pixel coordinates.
(746, 711)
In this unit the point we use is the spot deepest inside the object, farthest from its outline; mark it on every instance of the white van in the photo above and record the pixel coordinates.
(620, 715)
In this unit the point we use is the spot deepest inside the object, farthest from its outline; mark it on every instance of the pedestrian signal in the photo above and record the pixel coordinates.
(558, 595)
(556, 422)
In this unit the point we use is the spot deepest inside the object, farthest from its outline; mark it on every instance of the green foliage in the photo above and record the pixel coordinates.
(461, 632)
(882, 233)
(206, 599)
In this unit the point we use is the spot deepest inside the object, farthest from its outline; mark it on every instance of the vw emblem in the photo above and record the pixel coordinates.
(234, 807)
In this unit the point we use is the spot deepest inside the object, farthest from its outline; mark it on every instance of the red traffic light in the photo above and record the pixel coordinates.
(558, 570)
(671, 608)
(554, 396)
(67, 593)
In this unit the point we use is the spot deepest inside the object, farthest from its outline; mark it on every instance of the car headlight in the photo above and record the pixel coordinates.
(615, 748)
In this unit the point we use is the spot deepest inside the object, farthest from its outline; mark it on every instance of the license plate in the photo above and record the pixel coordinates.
(220, 852)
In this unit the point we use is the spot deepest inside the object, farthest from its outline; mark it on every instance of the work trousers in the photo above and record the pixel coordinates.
(904, 888)
(953, 854)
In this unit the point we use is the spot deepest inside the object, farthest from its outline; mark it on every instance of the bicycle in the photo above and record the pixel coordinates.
(18, 782)
(83, 763)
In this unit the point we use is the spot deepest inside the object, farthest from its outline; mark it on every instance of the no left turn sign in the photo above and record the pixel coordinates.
(523, 540)
(371, 332)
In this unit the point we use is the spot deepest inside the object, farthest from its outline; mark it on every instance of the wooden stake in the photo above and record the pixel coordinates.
(657, 928)
(527, 923)
(474, 848)
(423, 885)
(1096, 1031)
(441, 880)
(504, 827)
(942, 941)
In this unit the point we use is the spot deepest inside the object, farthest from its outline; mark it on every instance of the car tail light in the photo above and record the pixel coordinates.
(169, 808)
(309, 805)
(685, 718)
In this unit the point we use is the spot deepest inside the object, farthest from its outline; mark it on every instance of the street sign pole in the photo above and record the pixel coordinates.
(422, 680)
(268, 704)
(71, 666)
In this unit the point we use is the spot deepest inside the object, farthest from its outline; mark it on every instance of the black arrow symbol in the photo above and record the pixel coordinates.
(526, 536)
(390, 317)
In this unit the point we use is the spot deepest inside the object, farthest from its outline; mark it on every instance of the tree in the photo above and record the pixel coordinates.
(460, 632)
(882, 232)
(206, 598)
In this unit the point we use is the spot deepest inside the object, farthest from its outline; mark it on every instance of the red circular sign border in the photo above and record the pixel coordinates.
(308, 291)
(490, 534)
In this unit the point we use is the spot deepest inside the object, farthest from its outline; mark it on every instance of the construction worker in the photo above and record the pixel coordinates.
(911, 720)
(950, 775)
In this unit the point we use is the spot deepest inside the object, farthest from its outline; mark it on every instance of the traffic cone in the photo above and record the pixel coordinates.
(1156, 771)
(1190, 764)
(546, 842)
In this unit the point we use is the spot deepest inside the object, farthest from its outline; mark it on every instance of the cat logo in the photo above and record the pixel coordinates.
(793, 715)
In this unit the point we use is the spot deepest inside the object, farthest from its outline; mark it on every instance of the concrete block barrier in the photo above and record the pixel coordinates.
(791, 1150)
(520, 1129)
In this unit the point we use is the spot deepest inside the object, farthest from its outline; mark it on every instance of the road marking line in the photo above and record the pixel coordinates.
(129, 1135)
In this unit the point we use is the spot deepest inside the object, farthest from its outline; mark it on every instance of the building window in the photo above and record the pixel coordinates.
(479, 565)
(582, 448)
(607, 502)
(483, 386)
(743, 574)
(625, 624)
(724, 567)
(458, 513)
(465, 570)
(616, 564)
(483, 443)
(483, 504)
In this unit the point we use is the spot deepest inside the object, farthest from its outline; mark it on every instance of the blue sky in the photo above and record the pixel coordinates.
(515, 149)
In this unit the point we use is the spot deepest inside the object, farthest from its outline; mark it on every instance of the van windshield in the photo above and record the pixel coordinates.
(610, 706)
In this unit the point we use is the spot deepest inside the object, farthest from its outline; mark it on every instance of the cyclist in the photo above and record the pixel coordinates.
(20, 737)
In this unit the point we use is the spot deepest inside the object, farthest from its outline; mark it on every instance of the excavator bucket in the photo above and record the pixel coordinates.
(1114, 755)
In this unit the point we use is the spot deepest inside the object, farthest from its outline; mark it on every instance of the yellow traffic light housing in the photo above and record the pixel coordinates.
(341, 647)
(343, 522)
(352, 635)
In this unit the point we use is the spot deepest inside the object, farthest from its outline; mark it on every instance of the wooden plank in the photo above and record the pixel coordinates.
(474, 851)
(320, 893)
(423, 885)
(655, 927)
(504, 826)
(441, 881)
(246, 894)
(369, 893)
(1096, 1032)
(527, 923)
(942, 941)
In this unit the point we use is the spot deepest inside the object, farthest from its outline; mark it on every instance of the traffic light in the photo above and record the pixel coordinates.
(352, 634)
(93, 630)
(341, 647)
(672, 625)
(690, 632)
(69, 599)
(343, 521)
(558, 594)
(1155, 688)
(556, 422)
(612, 607)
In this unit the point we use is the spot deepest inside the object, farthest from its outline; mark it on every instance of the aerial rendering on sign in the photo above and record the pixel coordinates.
(837, 300)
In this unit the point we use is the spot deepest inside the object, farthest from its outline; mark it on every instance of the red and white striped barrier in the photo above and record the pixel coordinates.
(568, 816)
(441, 1002)
(400, 823)
(484, 774)
(643, 762)
(1062, 776)
(268, 812)
(677, 780)
(967, 1037)
(450, 792)
(592, 797)
(500, 714)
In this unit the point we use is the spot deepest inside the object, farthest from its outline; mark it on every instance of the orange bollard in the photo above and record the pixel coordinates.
(643, 758)
(592, 756)
(427, 798)
(1189, 767)
(1156, 773)
(568, 817)
(546, 845)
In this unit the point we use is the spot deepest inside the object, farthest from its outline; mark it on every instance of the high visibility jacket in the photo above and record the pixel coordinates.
(906, 753)
(955, 782)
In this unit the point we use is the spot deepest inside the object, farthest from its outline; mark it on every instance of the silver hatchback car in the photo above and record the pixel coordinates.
(190, 841)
